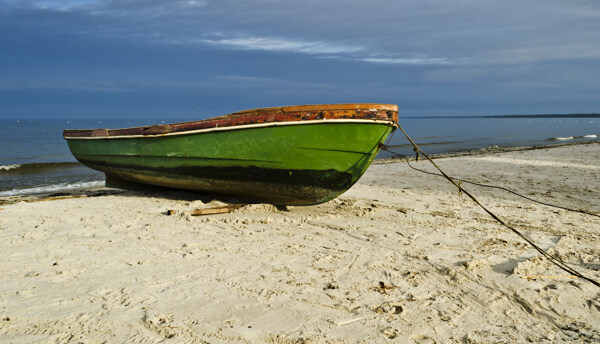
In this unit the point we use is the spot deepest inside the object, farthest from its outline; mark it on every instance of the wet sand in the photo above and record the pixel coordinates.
(400, 257)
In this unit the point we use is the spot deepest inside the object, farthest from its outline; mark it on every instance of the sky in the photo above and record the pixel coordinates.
(200, 58)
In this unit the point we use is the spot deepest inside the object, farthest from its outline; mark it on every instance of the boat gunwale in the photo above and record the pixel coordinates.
(269, 116)
(319, 107)
(238, 127)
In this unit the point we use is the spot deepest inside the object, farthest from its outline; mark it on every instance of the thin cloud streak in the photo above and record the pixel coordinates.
(282, 45)
(410, 61)
(273, 82)
(331, 50)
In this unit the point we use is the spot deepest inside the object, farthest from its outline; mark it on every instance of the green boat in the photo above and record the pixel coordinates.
(293, 155)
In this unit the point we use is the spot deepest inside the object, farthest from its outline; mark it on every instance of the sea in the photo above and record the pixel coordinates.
(34, 158)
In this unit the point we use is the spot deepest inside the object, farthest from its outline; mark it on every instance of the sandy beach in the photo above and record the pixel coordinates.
(401, 257)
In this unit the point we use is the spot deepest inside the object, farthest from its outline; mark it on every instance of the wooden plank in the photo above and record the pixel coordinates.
(386, 112)
(208, 211)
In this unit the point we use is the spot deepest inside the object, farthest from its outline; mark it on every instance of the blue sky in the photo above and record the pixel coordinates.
(197, 58)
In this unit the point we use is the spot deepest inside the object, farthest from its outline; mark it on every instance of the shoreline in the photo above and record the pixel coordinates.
(399, 257)
(386, 160)
(491, 150)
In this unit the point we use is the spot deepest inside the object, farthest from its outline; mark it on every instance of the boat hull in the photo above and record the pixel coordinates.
(289, 164)
(292, 155)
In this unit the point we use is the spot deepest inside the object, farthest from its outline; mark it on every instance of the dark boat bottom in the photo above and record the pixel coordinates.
(246, 191)
(120, 183)
(245, 183)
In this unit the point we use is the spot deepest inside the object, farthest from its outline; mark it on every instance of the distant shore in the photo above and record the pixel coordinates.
(569, 115)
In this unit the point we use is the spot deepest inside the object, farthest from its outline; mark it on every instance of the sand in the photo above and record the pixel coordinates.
(400, 257)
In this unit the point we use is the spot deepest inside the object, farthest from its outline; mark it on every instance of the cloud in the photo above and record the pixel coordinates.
(56, 5)
(272, 82)
(427, 32)
(410, 61)
(110, 6)
(283, 45)
(330, 50)
(414, 51)
(69, 85)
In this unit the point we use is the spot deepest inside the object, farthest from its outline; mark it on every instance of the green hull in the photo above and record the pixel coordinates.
(296, 164)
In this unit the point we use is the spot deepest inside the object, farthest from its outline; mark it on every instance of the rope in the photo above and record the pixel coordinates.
(554, 260)
(581, 211)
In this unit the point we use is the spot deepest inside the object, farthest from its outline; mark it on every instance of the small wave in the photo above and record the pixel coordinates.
(590, 136)
(9, 167)
(36, 167)
(52, 188)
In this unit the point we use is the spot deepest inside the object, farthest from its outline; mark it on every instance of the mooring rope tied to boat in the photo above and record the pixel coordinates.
(460, 180)
(554, 260)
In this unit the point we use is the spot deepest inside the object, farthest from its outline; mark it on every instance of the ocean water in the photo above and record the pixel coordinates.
(458, 134)
(34, 158)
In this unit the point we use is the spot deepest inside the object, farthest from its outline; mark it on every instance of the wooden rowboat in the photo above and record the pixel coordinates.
(293, 155)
